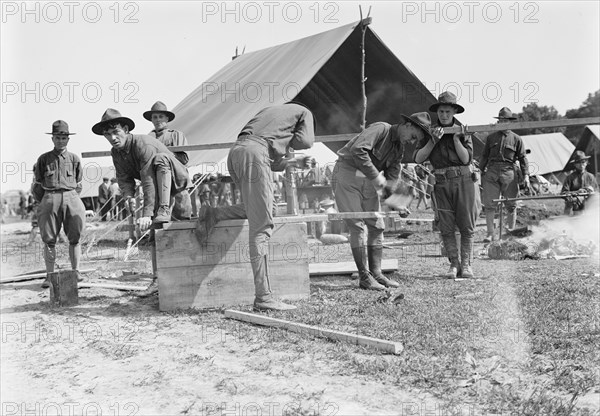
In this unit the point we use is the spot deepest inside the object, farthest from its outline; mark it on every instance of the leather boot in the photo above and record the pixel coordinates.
(49, 259)
(511, 219)
(489, 221)
(182, 206)
(375, 254)
(263, 297)
(163, 185)
(366, 280)
(452, 253)
(75, 257)
(466, 255)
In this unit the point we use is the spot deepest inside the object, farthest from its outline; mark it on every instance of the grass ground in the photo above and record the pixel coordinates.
(522, 340)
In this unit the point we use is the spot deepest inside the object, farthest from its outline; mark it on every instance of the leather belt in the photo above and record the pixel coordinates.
(57, 191)
(452, 172)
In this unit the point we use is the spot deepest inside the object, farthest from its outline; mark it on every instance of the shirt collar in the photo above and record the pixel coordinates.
(62, 154)
(128, 142)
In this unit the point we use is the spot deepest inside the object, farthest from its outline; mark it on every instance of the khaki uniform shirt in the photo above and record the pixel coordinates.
(376, 149)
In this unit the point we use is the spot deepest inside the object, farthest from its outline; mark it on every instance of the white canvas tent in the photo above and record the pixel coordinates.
(549, 153)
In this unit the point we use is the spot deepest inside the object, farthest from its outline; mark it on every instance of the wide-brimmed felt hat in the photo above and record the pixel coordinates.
(422, 120)
(112, 116)
(447, 98)
(60, 127)
(506, 114)
(578, 157)
(327, 202)
(159, 107)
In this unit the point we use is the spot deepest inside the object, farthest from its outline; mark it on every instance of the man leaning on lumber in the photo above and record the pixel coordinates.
(142, 157)
(366, 165)
(261, 148)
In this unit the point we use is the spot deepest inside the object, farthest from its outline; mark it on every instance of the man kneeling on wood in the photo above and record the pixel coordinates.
(142, 157)
(261, 147)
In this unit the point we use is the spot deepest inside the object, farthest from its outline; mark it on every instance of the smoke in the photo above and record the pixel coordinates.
(583, 228)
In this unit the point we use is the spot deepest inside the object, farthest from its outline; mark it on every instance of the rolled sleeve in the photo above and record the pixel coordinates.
(304, 134)
(360, 150)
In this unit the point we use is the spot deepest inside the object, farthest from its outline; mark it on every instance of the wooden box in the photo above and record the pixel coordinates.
(219, 274)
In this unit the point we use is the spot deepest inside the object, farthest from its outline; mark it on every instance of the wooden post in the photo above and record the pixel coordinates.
(194, 202)
(363, 79)
(130, 219)
(291, 191)
(63, 288)
(138, 215)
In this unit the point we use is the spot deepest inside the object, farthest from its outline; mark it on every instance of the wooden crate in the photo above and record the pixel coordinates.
(219, 273)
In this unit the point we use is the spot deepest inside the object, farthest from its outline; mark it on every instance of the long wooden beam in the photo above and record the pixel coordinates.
(379, 344)
(191, 224)
(347, 136)
(526, 125)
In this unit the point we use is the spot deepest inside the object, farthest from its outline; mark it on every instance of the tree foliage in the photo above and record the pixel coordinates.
(534, 112)
(589, 108)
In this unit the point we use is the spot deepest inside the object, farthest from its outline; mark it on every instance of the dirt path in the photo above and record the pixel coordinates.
(116, 353)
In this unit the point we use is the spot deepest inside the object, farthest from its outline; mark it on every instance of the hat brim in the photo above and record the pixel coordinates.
(459, 108)
(404, 118)
(99, 127)
(579, 160)
(68, 134)
(148, 114)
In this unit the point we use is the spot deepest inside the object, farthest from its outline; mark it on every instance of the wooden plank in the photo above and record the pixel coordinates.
(34, 276)
(226, 145)
(191, 224)
(527, 125)
(228, 244)
(109, 286)
(348, 136)
(346, 267)
(378, 344)
(367, 214)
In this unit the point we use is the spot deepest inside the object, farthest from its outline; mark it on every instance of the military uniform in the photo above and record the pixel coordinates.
(143, 158)
(260, 148)
(578, 180)
(376, 151)
(58, 176)
(499, 159)
(170, 137)
(455, 195)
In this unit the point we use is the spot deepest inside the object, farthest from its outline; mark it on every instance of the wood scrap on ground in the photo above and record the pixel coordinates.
(127, 288)
(24, 278)
(379, 344)
(346, 267)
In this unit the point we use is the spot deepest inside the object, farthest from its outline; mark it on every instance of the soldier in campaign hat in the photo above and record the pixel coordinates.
(367, 165)
(160, 118)
(503, 155)
(58, 177)
(142, 157)
(455, 191)
(579, 181)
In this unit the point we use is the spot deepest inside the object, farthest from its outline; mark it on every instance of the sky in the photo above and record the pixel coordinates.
(72, 60)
